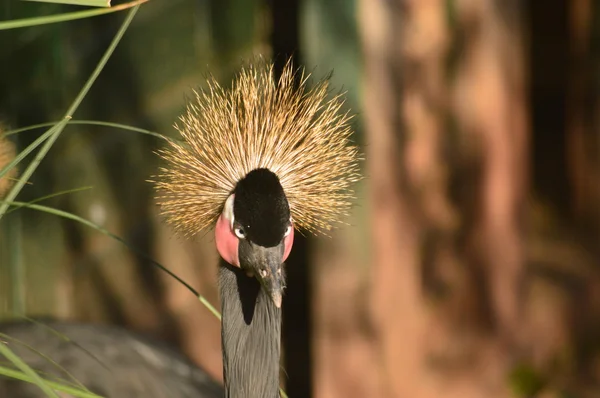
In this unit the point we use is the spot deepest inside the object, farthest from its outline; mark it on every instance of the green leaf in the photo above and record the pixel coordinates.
(69, 16)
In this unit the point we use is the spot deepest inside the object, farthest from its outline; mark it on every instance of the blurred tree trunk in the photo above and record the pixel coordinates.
(447, 186)
(490, 97)
(398, 318)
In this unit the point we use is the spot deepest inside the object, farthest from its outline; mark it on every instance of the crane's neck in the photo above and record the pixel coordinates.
(251, 333)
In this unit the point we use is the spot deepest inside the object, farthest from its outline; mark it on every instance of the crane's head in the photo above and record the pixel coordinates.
(255, 230)
(256, 161)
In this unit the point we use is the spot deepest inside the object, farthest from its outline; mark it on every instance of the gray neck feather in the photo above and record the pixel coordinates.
(251, 333)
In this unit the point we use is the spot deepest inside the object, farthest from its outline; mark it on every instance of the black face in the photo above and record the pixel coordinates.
(261, 208)
(262, 217)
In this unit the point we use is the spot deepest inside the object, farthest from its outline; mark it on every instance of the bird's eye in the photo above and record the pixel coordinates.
(239, 232)
(288, 230)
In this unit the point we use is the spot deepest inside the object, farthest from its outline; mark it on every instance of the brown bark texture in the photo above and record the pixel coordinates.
(446, 160)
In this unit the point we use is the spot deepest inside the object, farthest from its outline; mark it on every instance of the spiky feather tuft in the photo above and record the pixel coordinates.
(293, 130)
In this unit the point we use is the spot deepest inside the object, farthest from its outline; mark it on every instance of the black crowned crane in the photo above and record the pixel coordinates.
(256, 161)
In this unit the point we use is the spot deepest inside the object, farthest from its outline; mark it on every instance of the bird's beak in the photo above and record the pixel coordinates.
(266, 265)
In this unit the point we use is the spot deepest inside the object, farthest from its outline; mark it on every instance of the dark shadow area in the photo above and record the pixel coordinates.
(548, 69)
(297, 326)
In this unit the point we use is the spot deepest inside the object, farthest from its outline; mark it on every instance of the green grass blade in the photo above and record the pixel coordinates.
(85, 3)
(69, 16)
(60, 126)
(15, 374)
(53, 195)
(23, 367)
(91, 123)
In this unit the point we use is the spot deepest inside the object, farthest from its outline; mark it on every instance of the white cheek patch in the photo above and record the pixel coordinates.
(226, 240)
(288, 242)
(228, 210)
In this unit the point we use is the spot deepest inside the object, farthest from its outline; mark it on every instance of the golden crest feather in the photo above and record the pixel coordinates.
(285, 126)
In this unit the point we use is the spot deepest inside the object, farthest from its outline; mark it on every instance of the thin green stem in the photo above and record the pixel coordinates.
(69, 16)
(210, 307)
(89, 122)
(85, 3)
(53, 195)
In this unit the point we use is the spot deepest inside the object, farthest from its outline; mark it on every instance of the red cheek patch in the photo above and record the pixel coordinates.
(227, 242)
(288, 242)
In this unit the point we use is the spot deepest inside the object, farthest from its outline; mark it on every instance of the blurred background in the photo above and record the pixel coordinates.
(471, 266)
